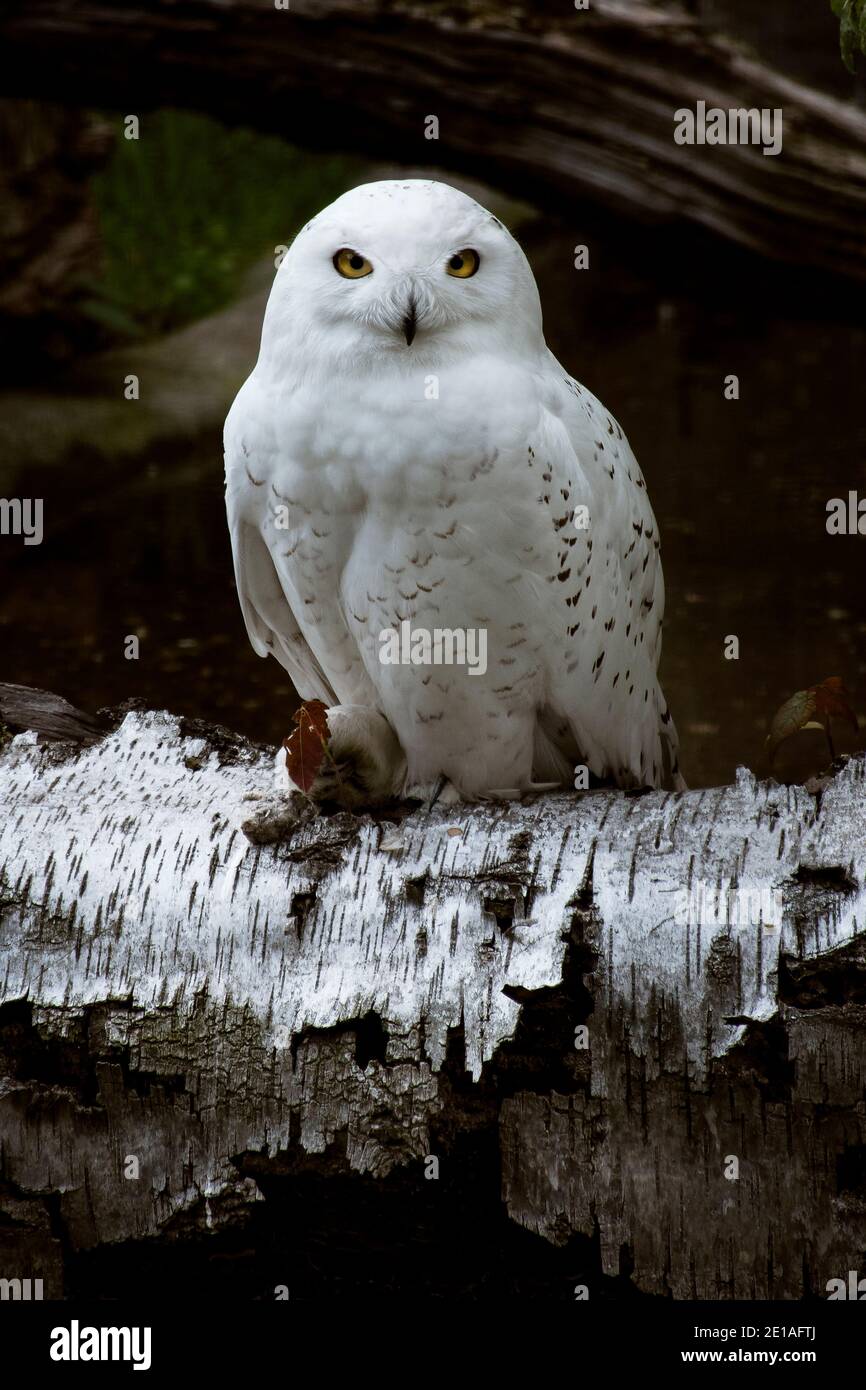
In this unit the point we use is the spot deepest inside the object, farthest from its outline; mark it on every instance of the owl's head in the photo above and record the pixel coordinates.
(410, 270)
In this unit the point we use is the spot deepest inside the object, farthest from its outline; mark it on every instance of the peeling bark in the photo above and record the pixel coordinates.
(337, 1006)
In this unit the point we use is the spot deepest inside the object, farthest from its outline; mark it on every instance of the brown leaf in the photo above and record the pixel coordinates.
(306, 745)
(831, 698)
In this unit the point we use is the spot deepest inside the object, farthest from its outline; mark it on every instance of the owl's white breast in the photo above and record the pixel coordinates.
(411, 503)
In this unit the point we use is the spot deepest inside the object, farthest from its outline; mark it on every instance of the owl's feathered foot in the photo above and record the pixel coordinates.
(363, 765)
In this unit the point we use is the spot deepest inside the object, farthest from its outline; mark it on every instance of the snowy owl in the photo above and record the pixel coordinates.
(435, 529)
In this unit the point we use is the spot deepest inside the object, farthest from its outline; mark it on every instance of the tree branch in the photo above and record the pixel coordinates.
(556, 104)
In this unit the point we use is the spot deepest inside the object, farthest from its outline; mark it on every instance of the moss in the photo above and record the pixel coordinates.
(186, 208)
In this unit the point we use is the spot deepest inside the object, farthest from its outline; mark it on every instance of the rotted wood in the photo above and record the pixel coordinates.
(23, 707)
(567, 978)
(555, 104)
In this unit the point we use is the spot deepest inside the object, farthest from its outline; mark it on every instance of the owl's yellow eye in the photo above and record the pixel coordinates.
(352, 264)
(464, 264)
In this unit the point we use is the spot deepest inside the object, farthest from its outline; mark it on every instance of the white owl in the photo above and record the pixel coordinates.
(409, 459)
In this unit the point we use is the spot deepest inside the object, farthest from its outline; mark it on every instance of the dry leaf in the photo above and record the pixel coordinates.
(306, 745)
(810, 709)
(831, 698)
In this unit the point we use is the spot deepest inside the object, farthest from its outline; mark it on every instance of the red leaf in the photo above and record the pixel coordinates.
(831, 698)
(305, 746)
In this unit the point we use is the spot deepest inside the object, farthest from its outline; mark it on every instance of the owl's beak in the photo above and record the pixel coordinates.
(410, 322)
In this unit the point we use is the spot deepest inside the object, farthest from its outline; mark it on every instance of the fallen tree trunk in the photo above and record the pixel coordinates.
(553, 103)
(49, 240)
(536, 996)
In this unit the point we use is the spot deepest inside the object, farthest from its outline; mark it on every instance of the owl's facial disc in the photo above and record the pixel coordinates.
(410, 270)
(409, 297)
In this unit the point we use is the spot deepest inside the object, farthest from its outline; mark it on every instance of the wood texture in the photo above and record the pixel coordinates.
(554, 104)
(361, 995)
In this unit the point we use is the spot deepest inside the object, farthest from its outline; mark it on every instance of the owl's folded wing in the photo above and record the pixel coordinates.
(271, 624)
(605, 594)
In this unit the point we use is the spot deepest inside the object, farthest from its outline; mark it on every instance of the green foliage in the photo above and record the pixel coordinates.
(187, 208)
(852, 28)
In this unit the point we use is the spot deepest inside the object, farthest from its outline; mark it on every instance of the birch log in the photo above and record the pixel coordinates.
(351, 995)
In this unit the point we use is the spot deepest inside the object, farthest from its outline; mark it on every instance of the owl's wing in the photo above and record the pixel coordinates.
(605, 592)
(270, 622)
